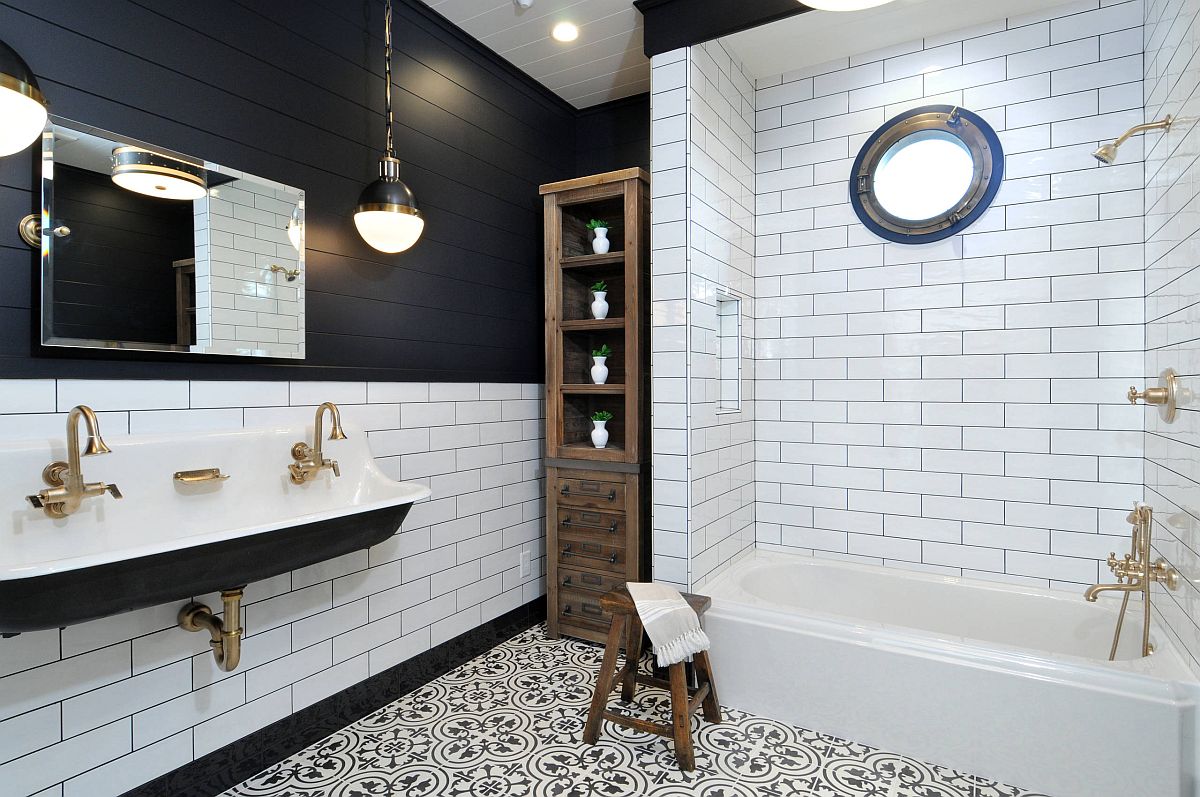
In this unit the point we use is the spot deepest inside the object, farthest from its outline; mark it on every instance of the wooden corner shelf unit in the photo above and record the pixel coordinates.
(597, 499)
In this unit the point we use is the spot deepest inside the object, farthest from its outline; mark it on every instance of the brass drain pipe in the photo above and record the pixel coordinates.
(226, 635)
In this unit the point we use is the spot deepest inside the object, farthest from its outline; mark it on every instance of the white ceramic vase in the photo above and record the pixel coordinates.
(599, 434)
(601, 244)
(599, 305)
(599, 371)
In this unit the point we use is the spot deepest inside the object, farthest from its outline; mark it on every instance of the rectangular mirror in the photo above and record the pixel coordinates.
(148, 249)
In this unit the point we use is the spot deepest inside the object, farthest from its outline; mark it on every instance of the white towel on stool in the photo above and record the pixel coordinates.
(672, 625)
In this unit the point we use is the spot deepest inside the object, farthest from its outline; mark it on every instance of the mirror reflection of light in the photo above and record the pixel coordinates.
(923, 175)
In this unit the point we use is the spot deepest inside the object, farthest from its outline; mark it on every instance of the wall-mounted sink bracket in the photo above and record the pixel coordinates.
(226, 632)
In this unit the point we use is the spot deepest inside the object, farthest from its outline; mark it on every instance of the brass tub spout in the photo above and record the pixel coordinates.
(1135, 573)
(226, 633)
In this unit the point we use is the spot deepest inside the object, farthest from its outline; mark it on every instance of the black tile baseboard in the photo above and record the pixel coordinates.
(234, 763)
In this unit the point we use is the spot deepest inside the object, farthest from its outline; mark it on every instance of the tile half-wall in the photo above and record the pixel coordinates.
(99, 708)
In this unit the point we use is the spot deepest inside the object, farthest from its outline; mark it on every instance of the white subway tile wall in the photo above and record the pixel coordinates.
(1172, 78)
(704, 218)
(242, 306)
(99, 708)
(956, 407)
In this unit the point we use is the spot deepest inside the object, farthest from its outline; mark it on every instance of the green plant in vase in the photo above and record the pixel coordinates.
(599, 369)
(600, 242)
(600, 434)
(599, 304)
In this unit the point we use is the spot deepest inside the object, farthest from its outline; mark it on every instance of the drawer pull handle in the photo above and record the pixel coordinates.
(611, 528)
(566, 490)
(568, 553)
(587, 578)
(592, 609)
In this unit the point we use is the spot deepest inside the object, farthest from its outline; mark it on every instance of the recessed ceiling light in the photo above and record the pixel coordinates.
(843, 5)
(565, 32)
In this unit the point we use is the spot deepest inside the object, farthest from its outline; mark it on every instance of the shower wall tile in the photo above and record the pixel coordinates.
(703, 250)
(109, 704)
(1172, 283)
(960, 405)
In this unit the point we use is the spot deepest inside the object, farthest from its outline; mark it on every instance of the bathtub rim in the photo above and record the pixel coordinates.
(1167, 667)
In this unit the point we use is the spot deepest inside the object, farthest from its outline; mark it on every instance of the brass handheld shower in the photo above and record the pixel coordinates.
(1107, 154)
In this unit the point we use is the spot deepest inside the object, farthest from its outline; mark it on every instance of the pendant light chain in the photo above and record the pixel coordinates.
(387, 72)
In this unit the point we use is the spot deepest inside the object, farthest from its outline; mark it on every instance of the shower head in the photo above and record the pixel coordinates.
(1107, 154)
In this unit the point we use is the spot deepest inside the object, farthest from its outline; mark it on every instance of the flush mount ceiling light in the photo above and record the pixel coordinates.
(22, 106)
(145, 172)
(565, 32)
(844, 5)
(386, 216)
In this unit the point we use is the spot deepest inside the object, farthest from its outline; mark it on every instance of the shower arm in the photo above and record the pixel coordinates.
(1161, 124)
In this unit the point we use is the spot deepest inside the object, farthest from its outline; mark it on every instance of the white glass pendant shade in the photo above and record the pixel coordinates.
(145, 172)
(295, 229)
(844, 5)
(22, 107)
(388, 230)
(386, 215)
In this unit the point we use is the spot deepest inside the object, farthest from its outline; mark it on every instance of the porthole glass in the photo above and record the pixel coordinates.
(926, 174)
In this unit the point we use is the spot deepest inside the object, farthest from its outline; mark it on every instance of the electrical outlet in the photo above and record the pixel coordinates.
(526, 563)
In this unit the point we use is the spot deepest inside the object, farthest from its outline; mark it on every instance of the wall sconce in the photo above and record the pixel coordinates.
(145, 172)
(386, 215)
(22, 107)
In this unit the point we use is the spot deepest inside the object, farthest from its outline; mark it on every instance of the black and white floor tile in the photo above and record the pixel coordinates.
(510, 722)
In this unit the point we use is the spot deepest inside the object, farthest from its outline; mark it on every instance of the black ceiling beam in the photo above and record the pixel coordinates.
(670, 24)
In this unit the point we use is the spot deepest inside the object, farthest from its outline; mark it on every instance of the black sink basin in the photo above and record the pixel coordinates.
(75, 596)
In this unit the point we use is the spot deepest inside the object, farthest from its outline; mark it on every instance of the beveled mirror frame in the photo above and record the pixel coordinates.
(47, 230)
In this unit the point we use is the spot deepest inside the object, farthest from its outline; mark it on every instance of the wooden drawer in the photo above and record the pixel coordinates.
(609, 526)
(591, 493)
(570, 578)
(585, 551)
(582, 609)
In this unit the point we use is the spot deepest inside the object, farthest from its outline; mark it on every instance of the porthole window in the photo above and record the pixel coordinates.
(926, 174)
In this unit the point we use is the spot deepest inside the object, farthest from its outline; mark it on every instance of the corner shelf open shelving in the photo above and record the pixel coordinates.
(589, 488)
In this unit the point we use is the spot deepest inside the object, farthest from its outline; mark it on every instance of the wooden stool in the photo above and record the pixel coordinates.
(684, 698)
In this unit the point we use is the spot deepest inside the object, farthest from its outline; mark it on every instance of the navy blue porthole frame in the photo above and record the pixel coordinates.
(970, 129)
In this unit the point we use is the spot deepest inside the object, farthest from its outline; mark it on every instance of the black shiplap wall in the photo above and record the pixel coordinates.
(614, 135)
(293, 92)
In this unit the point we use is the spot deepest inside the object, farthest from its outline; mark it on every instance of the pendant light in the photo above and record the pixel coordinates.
(844, 5)
(22, 106)
(145, 172)
(386, 215)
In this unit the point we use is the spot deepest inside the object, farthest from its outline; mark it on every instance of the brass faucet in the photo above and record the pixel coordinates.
(309, 459)
(1136, 573)
(67, 489)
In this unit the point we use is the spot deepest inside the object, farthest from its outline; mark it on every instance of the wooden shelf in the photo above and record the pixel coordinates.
(585, 447)
(594, 390)
(583, 261)
(592, 324)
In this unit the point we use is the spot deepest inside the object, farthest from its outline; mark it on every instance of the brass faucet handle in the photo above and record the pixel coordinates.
(112, 490)
(332, 463)
(302, 452)
(1151, 395)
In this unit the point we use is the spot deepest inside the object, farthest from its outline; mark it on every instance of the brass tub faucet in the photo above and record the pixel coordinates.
(1136, 573)
(67, 489)
(309, 459)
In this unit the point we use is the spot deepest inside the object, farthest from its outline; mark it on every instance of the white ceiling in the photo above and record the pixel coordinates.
(817, 37)
(605, 63)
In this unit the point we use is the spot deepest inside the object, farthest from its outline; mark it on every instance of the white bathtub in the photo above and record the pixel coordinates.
(1003, 681)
